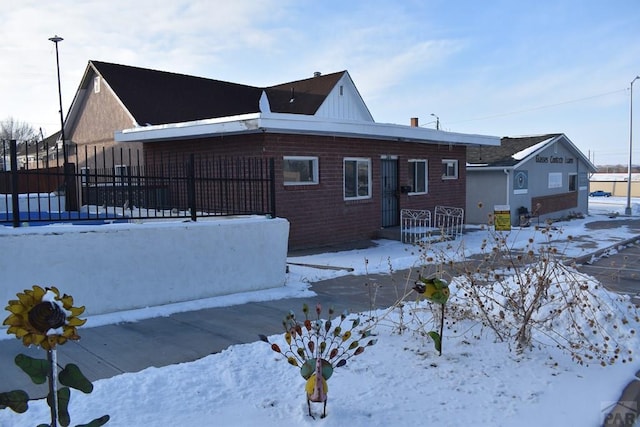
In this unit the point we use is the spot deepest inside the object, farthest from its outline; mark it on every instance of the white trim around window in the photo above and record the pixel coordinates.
(573, 181)
(419, 173)
(300, 170)
(85, 172)
(449, 169)
(120, 173)
(555, 180)
(356, 178)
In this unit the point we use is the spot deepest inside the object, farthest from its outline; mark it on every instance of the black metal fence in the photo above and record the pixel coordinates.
(116, 184)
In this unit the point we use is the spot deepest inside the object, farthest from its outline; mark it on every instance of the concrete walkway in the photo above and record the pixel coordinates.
(110, 350)
(106, 351)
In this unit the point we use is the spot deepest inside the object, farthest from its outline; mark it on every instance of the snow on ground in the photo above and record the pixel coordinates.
(399, 381)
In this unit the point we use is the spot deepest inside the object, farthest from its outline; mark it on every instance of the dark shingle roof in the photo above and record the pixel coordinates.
(502, 155)
(302, 96)
(159, 97)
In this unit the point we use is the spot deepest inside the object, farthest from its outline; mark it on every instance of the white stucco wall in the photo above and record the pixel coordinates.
(116, 267)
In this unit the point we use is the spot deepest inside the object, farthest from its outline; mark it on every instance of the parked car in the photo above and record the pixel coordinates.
(600, 193)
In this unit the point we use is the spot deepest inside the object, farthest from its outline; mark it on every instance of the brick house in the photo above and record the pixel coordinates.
(545, 176)
(340, 176)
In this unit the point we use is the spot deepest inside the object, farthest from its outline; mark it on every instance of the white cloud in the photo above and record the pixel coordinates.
(478, 66)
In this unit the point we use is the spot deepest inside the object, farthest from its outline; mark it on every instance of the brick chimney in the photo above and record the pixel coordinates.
(414, 122)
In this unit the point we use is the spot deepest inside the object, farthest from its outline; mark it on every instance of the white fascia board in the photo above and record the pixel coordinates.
(246, 123)
(484, 167)
(297, 124)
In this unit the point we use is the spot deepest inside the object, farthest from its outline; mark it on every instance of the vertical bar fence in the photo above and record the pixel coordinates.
(119, 184)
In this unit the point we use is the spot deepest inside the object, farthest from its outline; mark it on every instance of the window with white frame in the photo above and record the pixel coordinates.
(96, 84)
(84, 176)
(300, 170)
(449, 169)
(555, 179)
(418, 176)
(121, 172)
(573, 182)
(357, 178)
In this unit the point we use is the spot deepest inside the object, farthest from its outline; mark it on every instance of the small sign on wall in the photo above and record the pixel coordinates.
(502, 217)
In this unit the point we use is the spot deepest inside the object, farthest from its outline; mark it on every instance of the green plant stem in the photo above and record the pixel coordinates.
(52, 358)
(441, 328)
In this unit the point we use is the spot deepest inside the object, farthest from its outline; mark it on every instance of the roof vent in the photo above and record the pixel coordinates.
(317, 74)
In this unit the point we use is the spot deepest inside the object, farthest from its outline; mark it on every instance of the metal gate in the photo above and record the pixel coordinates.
(390, 211)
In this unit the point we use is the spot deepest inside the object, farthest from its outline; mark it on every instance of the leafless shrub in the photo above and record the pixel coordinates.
(527, 296)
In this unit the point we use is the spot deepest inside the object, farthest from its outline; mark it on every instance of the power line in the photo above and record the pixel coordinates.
(541, 107)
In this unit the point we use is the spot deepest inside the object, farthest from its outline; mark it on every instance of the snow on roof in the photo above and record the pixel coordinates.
(297, 124)
(528, 151)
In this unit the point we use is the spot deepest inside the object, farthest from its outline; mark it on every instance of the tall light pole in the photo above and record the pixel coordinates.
(627, 209)
(56, 39)
(437, 121)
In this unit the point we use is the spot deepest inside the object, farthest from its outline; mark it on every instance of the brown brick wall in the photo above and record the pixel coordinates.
(318, 214)
(558, 202)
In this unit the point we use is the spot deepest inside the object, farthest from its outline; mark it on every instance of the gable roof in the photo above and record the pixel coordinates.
(155, 97)
(302, 96)
(513, 151)
(505, 154)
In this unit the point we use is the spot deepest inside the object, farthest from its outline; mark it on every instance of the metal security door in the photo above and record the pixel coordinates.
(390, 211)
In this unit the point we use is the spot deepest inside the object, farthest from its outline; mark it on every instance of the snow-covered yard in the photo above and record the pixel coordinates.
(400, 381)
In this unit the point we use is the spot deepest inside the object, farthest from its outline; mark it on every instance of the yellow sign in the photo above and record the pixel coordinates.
(502, 218)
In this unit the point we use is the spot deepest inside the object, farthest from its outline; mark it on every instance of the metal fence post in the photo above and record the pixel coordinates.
(191, 186)
(272, 177)
(15, 202)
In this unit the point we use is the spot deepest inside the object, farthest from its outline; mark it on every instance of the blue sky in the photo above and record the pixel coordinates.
(503, 68)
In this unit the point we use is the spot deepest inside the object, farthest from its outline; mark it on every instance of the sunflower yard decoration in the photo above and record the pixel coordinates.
(436, 291)
(43, 318)
(317, 347)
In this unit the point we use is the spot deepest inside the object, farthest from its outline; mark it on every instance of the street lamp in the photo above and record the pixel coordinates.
(56, 39)
(437, 121)
(627, 209)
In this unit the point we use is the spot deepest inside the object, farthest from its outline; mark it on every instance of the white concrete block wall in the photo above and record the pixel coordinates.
(116, 267)
(34, 202)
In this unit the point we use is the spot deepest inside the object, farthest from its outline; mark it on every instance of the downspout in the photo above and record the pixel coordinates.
(506, 172)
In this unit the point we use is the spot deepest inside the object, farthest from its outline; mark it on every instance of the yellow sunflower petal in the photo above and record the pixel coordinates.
(19, 332)
(27, 340)
(51, 340)
(17, 308)
(13, 320)
(67, 301)
(38, 293)
(75, 321)
(37, 338)
(14, 301)
(25, 299)
(76, 311)
(68, 331)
